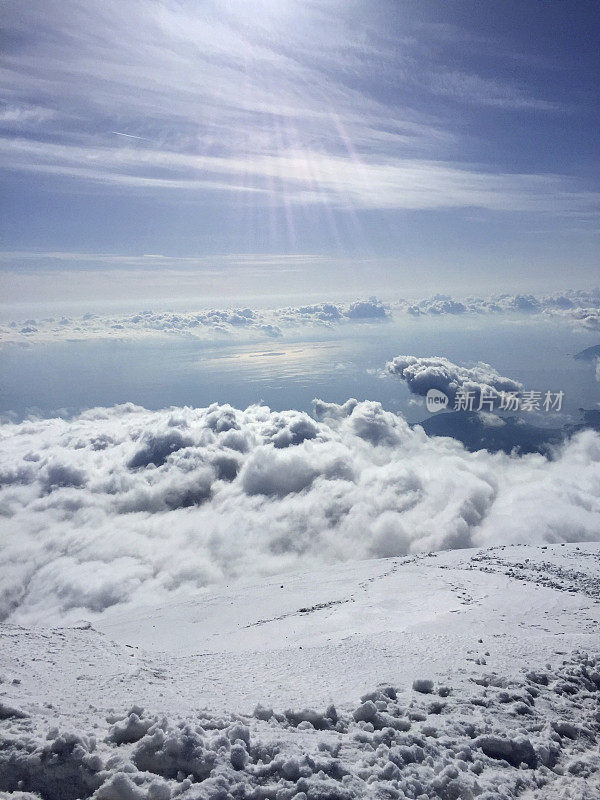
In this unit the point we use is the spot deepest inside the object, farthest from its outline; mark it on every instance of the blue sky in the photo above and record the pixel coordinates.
(294, 147)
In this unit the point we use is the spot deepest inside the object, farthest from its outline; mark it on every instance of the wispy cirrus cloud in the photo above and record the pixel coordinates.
(476, 90)
(306, 176)
(288, 103)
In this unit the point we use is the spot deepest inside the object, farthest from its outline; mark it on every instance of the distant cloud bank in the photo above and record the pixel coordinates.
(204, 324)
(580, 308)
(120, 505)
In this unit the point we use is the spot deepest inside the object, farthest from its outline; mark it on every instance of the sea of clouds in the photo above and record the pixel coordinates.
(124, 505)
(580, 308)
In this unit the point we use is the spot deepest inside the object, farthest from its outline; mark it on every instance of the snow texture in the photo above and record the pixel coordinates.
(497, 727)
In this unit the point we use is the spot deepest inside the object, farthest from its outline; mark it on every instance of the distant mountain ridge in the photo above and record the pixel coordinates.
(512, 433)
(589, 353)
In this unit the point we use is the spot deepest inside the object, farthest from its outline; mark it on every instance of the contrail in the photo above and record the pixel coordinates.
(130, 136)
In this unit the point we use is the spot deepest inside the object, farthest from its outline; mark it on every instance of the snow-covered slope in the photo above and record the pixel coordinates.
(479, 666)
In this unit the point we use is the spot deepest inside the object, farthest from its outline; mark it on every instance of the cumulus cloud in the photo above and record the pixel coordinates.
(586, 317)
(206, 324)
(439, 304)
(367, 309)
(436, 372)
(581, 307)
(578, 307)
(119, 505)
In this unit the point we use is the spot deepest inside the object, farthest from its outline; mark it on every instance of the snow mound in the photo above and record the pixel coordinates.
(481, 745)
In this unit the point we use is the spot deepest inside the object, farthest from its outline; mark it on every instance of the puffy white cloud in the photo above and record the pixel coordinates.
(436, 372)
(587, 317)
(579, 307)
(439, 304)
(583, 307)
(123, 504)
(367, 309)
(206, 324)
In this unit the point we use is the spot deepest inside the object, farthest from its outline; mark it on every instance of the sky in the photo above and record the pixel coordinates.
(296, 147)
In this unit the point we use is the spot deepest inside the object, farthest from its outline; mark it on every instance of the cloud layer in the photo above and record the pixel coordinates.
(579, 308)
(206, 324)
(582, 307)
(121, 504)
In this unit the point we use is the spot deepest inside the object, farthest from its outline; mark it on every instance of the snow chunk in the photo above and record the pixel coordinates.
(516, 751)
(423, 685)
(174, 752)
(131, 728)
(8, 712)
